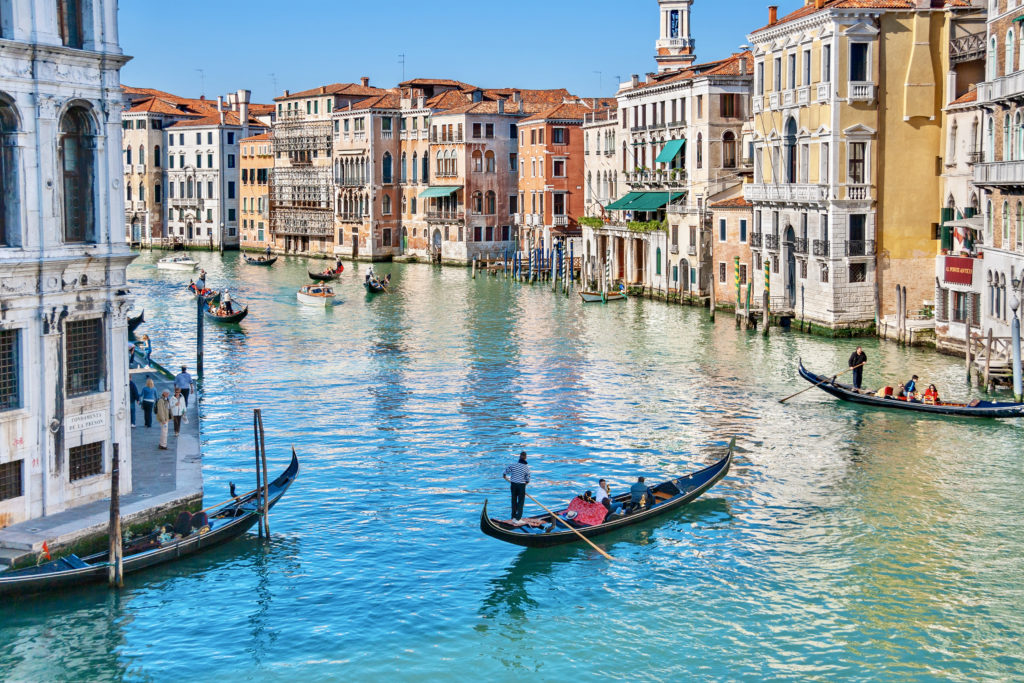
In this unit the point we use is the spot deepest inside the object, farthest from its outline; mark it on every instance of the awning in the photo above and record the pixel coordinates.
(440, 191)
(670, 150)
(972, 223)
(623, 204)
(1017, 20)
(652, 201)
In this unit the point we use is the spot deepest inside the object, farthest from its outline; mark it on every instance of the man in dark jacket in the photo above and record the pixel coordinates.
(857, 360)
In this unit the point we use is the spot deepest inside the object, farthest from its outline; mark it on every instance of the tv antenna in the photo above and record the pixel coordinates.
(202, 82)
(401, 60)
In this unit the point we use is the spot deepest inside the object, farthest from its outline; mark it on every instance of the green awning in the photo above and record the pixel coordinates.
(1017, 20)
(652, 201)
(622, 204)
(440, 191)
(669, 151)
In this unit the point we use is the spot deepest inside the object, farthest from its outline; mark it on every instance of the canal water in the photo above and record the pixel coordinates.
(844, 544)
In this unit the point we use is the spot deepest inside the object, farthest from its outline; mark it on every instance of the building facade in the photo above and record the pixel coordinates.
(256, 161)
(602, 162)
(63, 259)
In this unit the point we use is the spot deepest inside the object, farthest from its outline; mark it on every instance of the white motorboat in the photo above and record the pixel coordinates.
(315, 295)
(594, 297)
(179, 262)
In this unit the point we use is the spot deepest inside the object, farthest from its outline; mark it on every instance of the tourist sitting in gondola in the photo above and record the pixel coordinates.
(588, 510)
(640, 496)
(604, 498)
(931, 395)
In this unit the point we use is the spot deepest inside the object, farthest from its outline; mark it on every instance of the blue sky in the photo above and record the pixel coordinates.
(301, 44)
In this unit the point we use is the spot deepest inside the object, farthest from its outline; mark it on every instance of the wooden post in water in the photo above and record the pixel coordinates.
(967, 355)
(115, 551)
(766, 306)
(474, 267)
(266, 484)
(256, 441)
(200, 305)
(746, 316)
(988, 359)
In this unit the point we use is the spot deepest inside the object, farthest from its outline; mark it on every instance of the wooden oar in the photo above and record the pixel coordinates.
(570, 526)
(783, 400)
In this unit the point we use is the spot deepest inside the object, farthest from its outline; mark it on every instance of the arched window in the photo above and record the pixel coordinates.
(491, 206)
(478, 202)
(991, 62)
(142, 193)
(489, 162)
(700, 150)
(657, 262)
(1006, 226)
(590, 180)
(455, 163)
(729, 149)
(128, 156)
(1020, 225)
(790, 144)
(478, 162)
(440, 163)
(128, 191)
(9, 223)
(158, 196)
(385, 204)
(405, 204)
(990, 147)
(426, 168)
(189, 191)
(988, 222)
(625, 158)
(1007, 144)
(385, 168)
(415, 161)
(404, 176)
(156, 156)
(1018, 132)
(1010, 64)
(142, 155)
(78, 167)
(951, 150)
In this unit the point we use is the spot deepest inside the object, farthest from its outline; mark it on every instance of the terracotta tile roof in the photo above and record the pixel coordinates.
(864, 4)
(386, 101)
(564, 112)
(552, 96)
(730, 66)
(485, 107)
(156, 105)
(969, 96)
(449, 99)
(734, 203)
(230, 119)
(261, 109)
(256, 138)
(353, 89)
(435, 81)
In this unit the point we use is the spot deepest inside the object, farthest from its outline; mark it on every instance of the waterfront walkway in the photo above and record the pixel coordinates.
(162, 481)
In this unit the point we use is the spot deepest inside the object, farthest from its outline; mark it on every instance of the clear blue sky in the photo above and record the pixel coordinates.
(306, 43)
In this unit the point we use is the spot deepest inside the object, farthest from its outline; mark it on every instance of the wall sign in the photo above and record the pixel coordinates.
(958, 270)
(84, 421)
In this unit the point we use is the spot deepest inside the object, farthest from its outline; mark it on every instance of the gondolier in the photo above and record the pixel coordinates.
(518, 476)
(857, 360)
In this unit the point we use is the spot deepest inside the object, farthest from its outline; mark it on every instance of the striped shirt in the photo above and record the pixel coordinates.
(518, 473)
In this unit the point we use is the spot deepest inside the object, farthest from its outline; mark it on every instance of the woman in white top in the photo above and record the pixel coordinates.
(177, 409)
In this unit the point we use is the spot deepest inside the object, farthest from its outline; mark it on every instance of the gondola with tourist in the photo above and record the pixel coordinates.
(375, 286)
(133, 323)
(543, 532)
(260, 260)
(234, 316)
(207, 294)
(195, 534)
(328, 274)
(848, 392)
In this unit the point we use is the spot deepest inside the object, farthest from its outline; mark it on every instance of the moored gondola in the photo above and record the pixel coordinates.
(260, 261)
(670, 495)
(233, 317)
(848, 392)
(225, 522)
(133, 323)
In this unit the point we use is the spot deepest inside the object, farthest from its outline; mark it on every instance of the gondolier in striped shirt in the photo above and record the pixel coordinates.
(518, 476)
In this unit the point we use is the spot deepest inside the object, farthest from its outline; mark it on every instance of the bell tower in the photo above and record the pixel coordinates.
(675, 47)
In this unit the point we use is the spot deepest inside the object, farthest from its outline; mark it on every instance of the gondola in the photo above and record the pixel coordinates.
(210, 296)
(136, 321)
(230, 317)
(325, 276)
(671, 495)
(226, 522)
(259, 261)
(847, 392)
(375, 286)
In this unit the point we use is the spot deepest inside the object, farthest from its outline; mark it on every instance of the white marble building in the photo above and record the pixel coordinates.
(63, 295)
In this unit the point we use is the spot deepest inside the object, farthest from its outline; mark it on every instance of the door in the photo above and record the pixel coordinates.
(188, 228)
(437, 241)
(405, 240)
(789, 245)
(355, 242)
(136, 231)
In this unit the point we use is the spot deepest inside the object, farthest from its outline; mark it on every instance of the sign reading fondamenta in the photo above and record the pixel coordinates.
(83, 421)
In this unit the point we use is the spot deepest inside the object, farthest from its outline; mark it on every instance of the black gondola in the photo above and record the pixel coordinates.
(259, 261)
(229, 317)
(324, 276)
(227, 522)
(848, 392)
(375, 286)
(210, 296)
(136, 321)
(671, 494)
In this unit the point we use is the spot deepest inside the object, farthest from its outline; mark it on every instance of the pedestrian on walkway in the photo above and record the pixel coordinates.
(518, 476)
(163, 416)
(178, 407)
(147, 347)
(148, 399)
(183, 381)
(133, 397)
(857, 360)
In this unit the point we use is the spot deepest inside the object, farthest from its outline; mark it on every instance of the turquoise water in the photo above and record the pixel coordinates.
(843, 544)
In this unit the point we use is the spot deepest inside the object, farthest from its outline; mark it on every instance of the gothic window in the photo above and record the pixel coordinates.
(386, 168)
(78, 167)
(478, 160)
(386, 205)
(478, 202)
(415, 161)
(69, 17)
(156, 156)
(9, 233)
(729, 150)
(405, 166)
(490, 165)
(490, 207)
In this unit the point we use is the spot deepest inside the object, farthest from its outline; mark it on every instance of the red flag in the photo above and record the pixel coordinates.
(46, 551)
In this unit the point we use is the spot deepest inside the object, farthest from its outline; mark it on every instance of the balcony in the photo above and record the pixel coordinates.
(803, 95)
(756, 104)
(856, 248)
(999, 173)
(820, 247)
(771, 242)
(691, 250)
(967, 48)
(441, 139)
(756, 240)
(975, 156)
(800, 245)
(794, 193)
(824, 92)
(561, 221)
(861, 91)
(1002, 88)
(858, 192)
(788, 99)
(446, 216)
(673, 249)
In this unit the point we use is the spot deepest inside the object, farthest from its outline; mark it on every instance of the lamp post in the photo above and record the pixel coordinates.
(1015, 340)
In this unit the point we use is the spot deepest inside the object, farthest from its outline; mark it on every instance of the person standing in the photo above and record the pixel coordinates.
(147, 347)
(133, 397)
(178, 408)
(163, 416)
(518, 476)
(148, 396)
(857, 360)
(225, 299)
(183, 381)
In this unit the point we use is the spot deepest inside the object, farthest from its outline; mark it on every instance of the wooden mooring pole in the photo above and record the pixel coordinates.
(256, 441)
(988, 359)
(967, 354)
(115, 573)
(200, 304)
(266, 483)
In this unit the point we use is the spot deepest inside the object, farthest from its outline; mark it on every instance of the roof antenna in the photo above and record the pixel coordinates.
(600, 81)
(401, 60)
(202, 82)
(273, 80)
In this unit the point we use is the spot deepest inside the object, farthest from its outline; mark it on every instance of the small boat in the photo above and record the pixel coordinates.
(671, 495)
(315, 295)
(260, 261)
(375, 286)
(208, 295)
(848, 392)
(136, 321)
(327, 275)
(596, 297)
(226, 522)
(234, 317)
(180, 262)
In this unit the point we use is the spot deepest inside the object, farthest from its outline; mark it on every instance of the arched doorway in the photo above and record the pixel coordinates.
(436, 241)
(136, 231)
(405, 240)
(788, 244)
(684, 275)
(188, 229)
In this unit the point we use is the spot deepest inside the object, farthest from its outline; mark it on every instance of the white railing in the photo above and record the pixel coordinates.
(773, 100)
(1002, 87)
(824, 91)
(787, 192)
(561, 221)
(999, 172)
(803, 95)
(386, 134)
(861, 91)
(858, 192)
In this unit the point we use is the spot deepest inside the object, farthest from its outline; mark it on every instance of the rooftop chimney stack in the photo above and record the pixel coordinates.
(243, 111)
(501, 106)
(365, 81)
(220, 109)
(773, 15)
(634, 80)
(818, 4)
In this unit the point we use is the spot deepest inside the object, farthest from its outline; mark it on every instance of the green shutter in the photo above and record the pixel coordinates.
(947, 232)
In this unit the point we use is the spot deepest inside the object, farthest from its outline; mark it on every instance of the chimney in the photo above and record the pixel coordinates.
(634, 80)
(286, 93)
(773, 15)
(516, 96)
(243, 111)
(365, 81)
(421, 102)
(220, 109)
(818, 4)
(501, 106)
(323, 89)
(743, 65)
